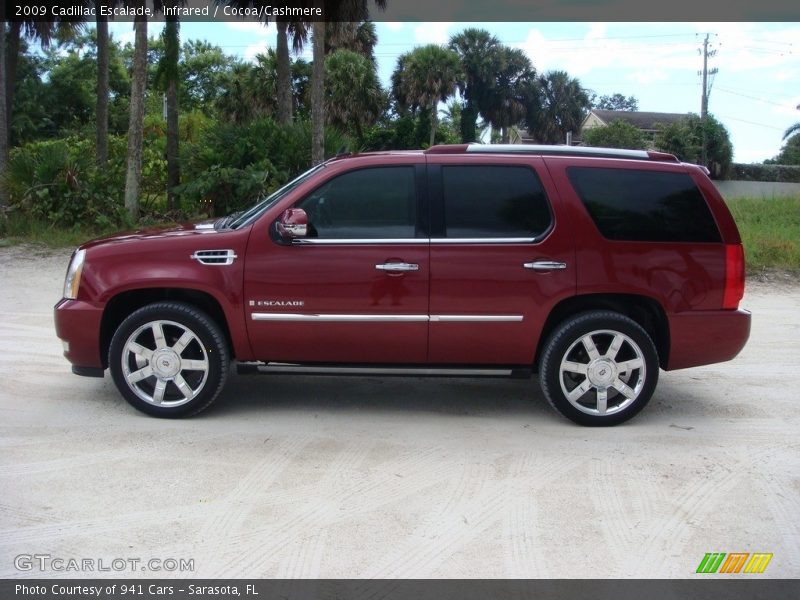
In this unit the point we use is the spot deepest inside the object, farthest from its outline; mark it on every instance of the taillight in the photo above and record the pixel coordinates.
(734, 276)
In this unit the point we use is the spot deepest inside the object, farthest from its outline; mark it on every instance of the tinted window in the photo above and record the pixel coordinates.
(493, 202)
(651, 206)
(375, 203)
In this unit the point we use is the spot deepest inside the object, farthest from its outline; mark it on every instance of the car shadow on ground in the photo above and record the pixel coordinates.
(253, 397)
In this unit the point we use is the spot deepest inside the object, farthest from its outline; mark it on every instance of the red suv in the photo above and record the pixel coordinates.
(594, 268)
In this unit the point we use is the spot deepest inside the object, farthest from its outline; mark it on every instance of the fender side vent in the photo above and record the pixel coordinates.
(214, 257)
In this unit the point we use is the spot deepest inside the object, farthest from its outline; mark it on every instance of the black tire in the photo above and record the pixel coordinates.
(602, 373)
(189, 380)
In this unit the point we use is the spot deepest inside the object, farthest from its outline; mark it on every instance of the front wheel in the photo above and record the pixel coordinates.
(169, 359)
(599, 368)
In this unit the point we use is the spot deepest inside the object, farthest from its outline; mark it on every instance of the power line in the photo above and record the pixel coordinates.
(752, 123)
(727, 91)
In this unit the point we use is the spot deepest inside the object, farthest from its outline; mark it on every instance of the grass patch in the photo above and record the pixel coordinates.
(770, 230)
(17, 229)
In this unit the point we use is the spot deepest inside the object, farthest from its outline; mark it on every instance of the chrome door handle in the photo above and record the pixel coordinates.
(545, 265)
(397, 266)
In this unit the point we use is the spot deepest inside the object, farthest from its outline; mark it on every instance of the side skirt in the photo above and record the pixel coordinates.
(259, 368)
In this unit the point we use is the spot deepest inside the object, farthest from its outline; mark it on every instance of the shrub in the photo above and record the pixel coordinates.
(618, 134)
(58, 182)
(684, 139)
(232, 165)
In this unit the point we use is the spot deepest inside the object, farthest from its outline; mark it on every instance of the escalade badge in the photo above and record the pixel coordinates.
(277, 302)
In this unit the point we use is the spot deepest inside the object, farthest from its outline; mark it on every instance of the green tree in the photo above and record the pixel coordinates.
(204, 73)
(684, 139)
(789, 154)
(562, 105)
(426, 76)
(617, 134)
(354, 95)
(615, 102)
(477, 49)
(513, 89)
(43, 32)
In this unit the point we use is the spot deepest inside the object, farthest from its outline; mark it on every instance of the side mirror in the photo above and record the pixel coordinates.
(293, 223)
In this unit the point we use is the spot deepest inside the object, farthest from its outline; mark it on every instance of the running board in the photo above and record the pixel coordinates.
(379, 371)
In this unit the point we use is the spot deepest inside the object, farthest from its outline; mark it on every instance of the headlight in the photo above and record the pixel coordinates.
(73, 280)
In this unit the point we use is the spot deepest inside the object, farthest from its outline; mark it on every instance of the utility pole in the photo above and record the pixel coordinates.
(705, 94)
(704, 98)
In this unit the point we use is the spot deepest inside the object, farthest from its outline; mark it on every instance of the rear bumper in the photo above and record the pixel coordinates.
(706, 337)
(78, 324)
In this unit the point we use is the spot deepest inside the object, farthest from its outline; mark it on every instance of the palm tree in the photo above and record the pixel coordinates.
(133, 176)
(428, 75)
(102, 89)
(792, 130)
(359, 37)
(284, 82)
(318, 95)
(505, 104)
(477, 50)
(236, 104)
(167, 77)
(343, 10)
(298, 30)
(354, 94)
(563, 105)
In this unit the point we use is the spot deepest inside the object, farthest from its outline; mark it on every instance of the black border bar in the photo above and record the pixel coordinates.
(422, 10)
(699, 588)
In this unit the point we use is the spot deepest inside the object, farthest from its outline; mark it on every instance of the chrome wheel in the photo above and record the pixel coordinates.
(603, 372)
(164, 363)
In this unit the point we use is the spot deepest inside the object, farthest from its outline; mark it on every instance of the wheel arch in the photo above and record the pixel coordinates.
(646, 311)
(124, 303)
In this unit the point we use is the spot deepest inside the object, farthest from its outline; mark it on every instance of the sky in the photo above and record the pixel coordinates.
(755, 93)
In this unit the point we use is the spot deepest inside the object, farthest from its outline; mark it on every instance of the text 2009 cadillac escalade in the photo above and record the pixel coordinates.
(594, 268)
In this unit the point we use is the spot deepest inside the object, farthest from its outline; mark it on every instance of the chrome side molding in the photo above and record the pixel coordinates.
(356, 318)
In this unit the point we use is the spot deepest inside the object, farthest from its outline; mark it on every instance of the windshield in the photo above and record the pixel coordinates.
(251, 214)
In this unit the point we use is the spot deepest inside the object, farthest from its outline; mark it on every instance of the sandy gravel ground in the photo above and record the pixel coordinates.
(385, 477)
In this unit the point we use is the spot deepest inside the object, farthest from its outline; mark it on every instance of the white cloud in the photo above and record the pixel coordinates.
(432, 33)
(254, 49)
(739, 47)
(393, 25)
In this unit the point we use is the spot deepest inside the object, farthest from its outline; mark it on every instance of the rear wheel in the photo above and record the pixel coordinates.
(599, 368)
(169, 359)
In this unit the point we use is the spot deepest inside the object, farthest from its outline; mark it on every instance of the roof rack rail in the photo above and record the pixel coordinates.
(543, 150)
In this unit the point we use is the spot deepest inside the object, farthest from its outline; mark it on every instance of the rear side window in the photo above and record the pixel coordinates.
(648, 206)
(482, 201)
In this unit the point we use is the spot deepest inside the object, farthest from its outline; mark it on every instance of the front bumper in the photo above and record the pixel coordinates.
(706, 337)
(78, 324)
